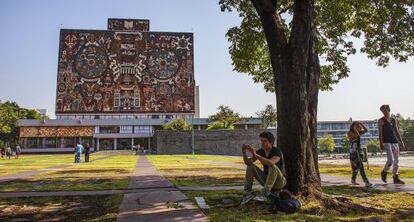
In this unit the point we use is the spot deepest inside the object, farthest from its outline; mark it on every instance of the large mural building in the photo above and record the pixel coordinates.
(116, 87)
(126, 69)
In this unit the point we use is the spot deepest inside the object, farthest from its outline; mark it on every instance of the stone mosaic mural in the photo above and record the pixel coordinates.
(125, 72)
(61, 131)
(140, 25)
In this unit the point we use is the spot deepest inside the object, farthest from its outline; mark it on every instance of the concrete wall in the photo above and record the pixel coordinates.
(221, 142)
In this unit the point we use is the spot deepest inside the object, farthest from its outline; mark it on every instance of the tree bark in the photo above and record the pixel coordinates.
(296, 71)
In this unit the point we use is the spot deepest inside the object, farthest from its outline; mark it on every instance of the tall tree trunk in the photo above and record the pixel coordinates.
(296, 74)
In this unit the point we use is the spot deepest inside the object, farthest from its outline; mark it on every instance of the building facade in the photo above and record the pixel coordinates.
(116, 86)
(339, 129)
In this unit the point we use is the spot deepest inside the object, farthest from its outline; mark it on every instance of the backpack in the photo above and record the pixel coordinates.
(285, 202)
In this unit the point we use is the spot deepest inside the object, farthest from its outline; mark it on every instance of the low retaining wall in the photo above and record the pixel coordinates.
(220, 142)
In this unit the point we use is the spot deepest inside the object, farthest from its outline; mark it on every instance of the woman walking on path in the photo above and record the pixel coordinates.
(355, 152)
(87, 150)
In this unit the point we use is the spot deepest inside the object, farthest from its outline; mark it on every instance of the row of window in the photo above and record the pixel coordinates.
(54, 142)
(124, 129)
(138, 116)
(344, 126)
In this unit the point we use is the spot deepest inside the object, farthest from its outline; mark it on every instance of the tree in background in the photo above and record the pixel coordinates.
(345, 144)
(226, 116)
(373, 146)
(268, 116)
(327, 144)
(408, 137)
(218, 125)
(178, 124)
(10, 113)
(403, 123)
(279, 44)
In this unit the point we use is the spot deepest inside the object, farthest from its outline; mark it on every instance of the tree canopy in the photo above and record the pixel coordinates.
(268, 116)
(384, 27)
(10, 113)
(226, 116)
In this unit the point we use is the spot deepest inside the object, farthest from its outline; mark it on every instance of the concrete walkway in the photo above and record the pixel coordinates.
(156, 204)
(332, 180)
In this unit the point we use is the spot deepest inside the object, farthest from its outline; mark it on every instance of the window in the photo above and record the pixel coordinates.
(109, 129)
(50, 142)
(143, 129)
(126, 129)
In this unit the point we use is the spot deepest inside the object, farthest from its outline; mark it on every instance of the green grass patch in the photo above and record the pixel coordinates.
(189, 170)
(100, 174)
(79, 208)
(368, 205)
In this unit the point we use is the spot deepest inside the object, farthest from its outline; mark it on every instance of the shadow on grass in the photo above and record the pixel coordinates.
(91, 171)
(88, 208)
(64, 184)
(224, 206)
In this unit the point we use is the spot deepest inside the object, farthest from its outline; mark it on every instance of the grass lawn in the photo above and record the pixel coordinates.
(80, 208)
(373, 172)
(102, 174)
(370, 204)
(189, 170)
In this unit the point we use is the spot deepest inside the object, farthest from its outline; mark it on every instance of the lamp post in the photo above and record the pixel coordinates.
(192, 134)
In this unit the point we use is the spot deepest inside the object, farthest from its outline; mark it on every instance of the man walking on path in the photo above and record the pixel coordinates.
(18, 151)
(390, 140)
(78, 152)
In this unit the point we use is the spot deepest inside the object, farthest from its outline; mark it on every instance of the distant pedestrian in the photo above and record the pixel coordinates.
(3, 152)
(87, 150)
(78, 152)
(138, 149)
(355, 152)
(8, 152)
(18, 151)
(390, 140)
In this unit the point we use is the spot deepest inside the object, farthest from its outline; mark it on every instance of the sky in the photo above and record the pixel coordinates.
(29, 52)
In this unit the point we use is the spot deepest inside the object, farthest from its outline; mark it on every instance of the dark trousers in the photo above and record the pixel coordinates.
(86, 157)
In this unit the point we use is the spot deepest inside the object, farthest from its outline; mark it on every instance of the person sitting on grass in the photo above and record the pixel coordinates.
(272, 178)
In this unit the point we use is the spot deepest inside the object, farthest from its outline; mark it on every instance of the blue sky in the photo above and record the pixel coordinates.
(29, 50)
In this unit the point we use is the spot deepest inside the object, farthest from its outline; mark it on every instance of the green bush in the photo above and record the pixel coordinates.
(178, 124)
(218, 125)
(373, 146)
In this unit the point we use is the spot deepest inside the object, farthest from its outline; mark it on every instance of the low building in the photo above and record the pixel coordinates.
(339, 129)
(61, 135)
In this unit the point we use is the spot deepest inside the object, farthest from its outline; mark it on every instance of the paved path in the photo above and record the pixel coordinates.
(156, 205)
(332, 180)
(28, 174)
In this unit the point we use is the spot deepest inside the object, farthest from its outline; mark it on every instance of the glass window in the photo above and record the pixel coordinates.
(108, 129)
(126, 129)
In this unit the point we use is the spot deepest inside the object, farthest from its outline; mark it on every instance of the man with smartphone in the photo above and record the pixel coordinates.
(272, 177)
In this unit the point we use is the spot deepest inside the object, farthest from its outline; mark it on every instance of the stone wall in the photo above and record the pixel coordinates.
(221, 142)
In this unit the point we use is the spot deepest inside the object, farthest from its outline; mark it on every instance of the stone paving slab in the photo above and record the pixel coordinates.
(159, 205)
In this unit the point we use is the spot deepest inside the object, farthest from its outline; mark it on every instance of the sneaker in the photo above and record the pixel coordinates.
(397, 180)
(247, 197)
(262, 196)
(384, 176)
(354, 182)
(368, 184)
